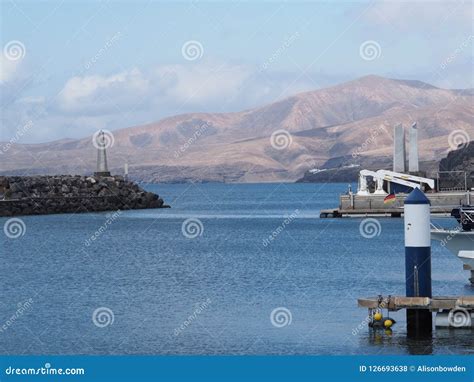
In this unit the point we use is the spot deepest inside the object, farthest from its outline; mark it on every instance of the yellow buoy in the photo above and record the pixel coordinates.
(388, 323)
(377, 316)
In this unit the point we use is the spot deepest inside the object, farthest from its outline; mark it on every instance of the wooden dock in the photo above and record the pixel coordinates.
(340, 213)
(434, 304)
(384, 212)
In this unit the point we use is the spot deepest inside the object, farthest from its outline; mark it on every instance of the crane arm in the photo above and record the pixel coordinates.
(407, 177)
(401, 181)
(369, 173)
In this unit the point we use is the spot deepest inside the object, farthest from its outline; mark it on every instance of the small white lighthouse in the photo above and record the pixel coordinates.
(101, 144)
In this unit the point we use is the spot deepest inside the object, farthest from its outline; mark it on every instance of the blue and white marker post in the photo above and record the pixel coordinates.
(418, 260)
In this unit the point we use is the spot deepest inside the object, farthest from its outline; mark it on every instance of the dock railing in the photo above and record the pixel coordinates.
(453, 181)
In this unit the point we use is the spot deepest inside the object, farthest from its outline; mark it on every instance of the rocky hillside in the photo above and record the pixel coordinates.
(461, 159)
(353, 121)
(456, 163)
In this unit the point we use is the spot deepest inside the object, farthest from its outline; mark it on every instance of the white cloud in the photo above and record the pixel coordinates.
(201, 83)
(8, 69)
(100, 93)
(13, 79)
(132, 97)
(413, 14)
(164, 85)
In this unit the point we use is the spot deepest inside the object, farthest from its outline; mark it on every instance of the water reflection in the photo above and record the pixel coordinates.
(442, 341)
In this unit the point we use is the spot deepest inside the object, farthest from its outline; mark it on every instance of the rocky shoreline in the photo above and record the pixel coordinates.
(41, 195)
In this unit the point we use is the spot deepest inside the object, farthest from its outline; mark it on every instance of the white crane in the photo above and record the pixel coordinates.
(412, 181)
(412, 178)
(363, 188)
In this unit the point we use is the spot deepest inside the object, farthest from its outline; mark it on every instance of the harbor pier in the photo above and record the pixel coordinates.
(353, 205)
(451, 312)
(441, 305)
(383, 192)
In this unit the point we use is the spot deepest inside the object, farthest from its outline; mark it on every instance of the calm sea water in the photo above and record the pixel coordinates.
(145, 285)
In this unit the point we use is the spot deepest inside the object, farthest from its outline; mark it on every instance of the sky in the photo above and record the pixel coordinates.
(69, 68)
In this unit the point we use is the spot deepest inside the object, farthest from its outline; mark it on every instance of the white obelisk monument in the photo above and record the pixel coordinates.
(399, 148)
(413, 164)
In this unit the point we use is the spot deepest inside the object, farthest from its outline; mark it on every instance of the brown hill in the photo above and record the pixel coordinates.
(352, 121)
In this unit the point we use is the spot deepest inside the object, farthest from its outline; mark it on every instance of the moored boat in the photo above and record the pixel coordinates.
(460, 240)
(465, 216)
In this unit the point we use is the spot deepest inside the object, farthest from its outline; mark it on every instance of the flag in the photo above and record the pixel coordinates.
(389, 199)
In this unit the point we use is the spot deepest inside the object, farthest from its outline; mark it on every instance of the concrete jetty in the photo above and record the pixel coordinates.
(353, 205)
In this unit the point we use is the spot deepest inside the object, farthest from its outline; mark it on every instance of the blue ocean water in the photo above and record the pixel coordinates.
(255, 271)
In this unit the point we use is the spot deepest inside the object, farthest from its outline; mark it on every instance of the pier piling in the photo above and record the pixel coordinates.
(418, 260)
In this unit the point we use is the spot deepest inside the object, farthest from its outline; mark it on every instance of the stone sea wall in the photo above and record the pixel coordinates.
(38, 195)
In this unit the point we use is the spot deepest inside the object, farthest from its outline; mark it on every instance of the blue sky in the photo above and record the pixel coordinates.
(73, 67)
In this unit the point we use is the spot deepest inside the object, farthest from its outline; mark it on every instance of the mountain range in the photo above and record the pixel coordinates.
(350, 123)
